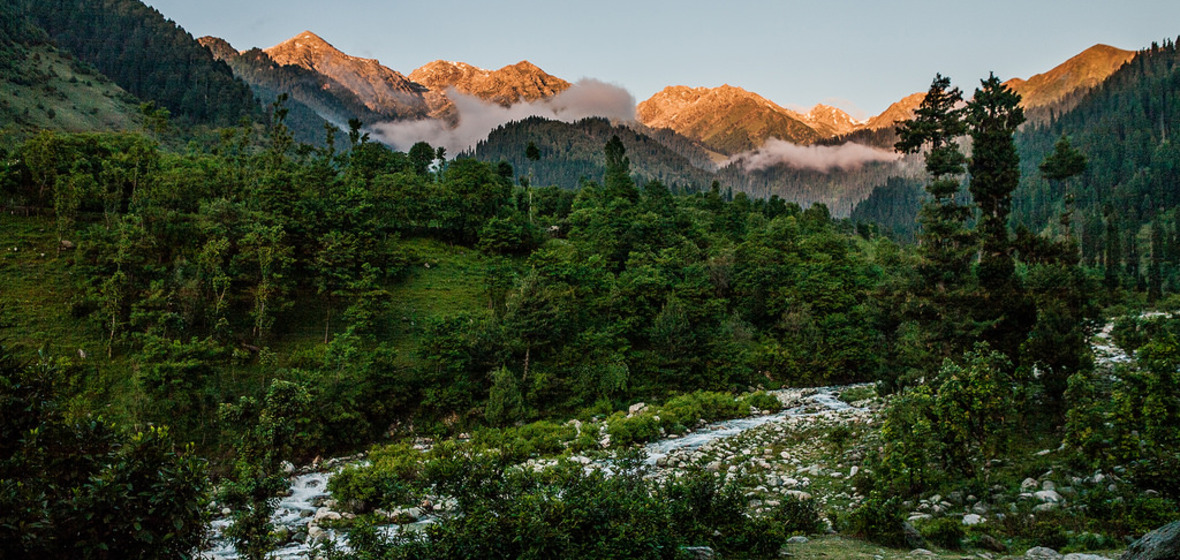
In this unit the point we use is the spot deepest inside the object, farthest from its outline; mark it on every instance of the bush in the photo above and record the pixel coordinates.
(388, 480)
(945, 532)
(640, 428)
(763, 401)
(878, 520)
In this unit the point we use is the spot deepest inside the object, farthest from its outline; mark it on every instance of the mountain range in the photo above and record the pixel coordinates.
(725, 120)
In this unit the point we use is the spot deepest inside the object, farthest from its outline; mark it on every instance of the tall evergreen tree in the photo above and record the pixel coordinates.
(1065, 162)
(945, 245)
(994, 114)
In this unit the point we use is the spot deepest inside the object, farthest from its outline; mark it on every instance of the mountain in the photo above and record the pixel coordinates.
(149, 56)
(898, 111)
(309, 90)
(829, 121)
(381, 90)
(726, 119)
(1084, 71)
(507, 86)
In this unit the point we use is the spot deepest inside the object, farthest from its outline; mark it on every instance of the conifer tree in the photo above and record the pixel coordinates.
(994, 114)
(945, 245)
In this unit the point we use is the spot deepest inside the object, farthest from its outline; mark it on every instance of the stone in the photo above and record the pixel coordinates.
(1028, 485)
(979, 508)
(1081, 556)
(325, 514)
(636, 408)
(799, 495)
(913, 538)
(1048, 485)
(1048, 496)
(226, 511)
(921, 552)
(1047, 506)
(973, 519)
(315, 533)
(1042, 553)
(852, 472)
(797, 540)
(1160, 544)
(713, 467)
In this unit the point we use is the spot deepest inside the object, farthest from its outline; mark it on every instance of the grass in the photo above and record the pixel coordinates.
(42, 89)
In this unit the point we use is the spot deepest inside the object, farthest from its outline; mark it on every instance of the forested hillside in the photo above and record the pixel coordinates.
(572, 152)
(147, 55)
(1124, 203)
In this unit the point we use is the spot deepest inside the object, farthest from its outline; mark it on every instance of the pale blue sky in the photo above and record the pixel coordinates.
(858, 55)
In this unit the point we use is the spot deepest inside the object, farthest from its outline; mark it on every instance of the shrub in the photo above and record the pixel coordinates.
(945, 532)
(878, 520)
(763, 401)
(640, 428)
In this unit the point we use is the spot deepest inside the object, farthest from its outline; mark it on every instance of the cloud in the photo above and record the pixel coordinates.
(586, 98)
(818, 158)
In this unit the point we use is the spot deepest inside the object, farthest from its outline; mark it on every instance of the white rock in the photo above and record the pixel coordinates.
(636, 408)
(1048, 496)
(1042, 553)
(973, 519)
(1028, 485)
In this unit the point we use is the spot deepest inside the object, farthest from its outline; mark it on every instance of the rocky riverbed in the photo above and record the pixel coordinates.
(773, 455)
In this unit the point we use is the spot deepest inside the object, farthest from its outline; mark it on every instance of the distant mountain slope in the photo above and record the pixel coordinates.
(147, 55)
(1083, 71)
(314, 97)
(383, 91)
(573, 151)
(1127, 127)
(726, 119)
(509, 85)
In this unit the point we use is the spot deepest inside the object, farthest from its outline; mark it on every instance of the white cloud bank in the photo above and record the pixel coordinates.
(586, 98)
(817, 158)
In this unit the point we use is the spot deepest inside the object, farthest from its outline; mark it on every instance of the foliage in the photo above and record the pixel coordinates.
(83, 488)
(572, 512)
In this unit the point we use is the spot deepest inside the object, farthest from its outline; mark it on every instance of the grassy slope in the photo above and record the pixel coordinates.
(36, 288)
(40, 81)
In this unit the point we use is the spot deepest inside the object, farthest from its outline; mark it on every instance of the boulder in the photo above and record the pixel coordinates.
(1048, 496)
(913, 538)
(1160, 544)
(973, 519)
(797, 540)
(636, 408)
(1042, 553)
(1080, 556)
(1028, 485)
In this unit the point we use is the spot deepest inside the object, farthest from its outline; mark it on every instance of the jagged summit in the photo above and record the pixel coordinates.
(726, 119)
(220, 48)
(382, 90)
(509, 85)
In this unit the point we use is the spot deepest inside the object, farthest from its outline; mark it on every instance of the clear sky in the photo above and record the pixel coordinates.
(858, 55)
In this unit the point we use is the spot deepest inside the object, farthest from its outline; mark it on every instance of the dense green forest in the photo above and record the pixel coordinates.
(147, 55)
(569, 153)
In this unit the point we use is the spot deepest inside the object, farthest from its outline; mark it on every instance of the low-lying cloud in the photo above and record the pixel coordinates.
(477, 118)
(817, 158)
